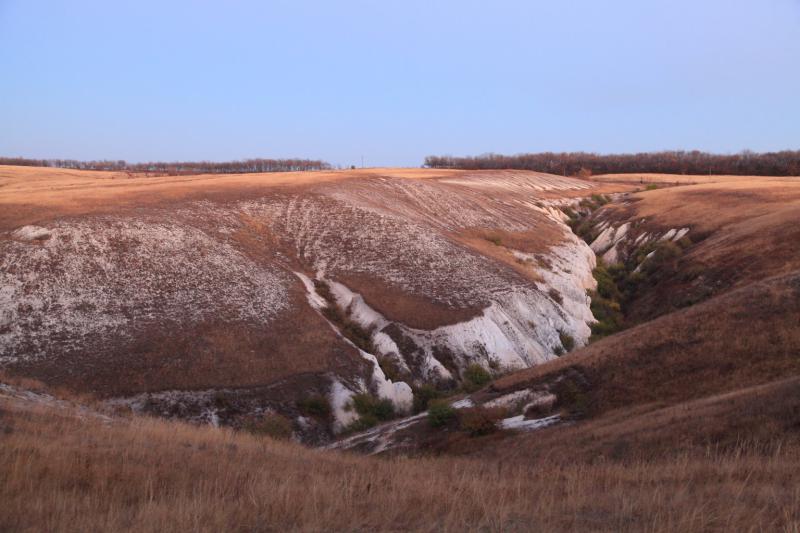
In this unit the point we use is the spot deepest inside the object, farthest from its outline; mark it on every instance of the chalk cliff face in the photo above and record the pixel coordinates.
(215, 310)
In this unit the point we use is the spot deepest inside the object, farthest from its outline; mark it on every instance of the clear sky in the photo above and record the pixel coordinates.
(395, 80)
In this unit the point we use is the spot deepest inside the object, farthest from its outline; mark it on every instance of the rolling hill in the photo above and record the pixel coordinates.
(522, 350)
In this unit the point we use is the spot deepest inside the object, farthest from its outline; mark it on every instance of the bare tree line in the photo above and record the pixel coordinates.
(785, 163)
(177, 168)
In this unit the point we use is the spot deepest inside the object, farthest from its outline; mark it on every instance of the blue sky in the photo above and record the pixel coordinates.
(395, 80)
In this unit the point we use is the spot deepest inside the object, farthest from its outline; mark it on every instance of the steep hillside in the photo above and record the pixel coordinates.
(715, 368)
(716, 374)
(223, 298)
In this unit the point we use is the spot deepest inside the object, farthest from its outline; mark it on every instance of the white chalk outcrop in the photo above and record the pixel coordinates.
(616, 243)
(90, 287)
(398, 393)
(521, 327)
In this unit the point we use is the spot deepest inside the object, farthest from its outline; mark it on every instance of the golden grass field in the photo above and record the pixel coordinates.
(69, 474)
(31, 194)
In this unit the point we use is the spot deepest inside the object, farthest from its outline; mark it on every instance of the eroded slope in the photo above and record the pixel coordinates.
(204, 307)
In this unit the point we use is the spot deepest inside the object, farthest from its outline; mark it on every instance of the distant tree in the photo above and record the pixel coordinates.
(785, 163)
(177, 168)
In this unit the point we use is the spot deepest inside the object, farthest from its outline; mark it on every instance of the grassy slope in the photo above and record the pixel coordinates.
(69, 474)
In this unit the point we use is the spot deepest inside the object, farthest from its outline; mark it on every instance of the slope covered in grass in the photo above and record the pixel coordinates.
(69, 473)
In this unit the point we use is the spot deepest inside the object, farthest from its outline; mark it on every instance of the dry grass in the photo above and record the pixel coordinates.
(62, 473)
(767, 414)
(708, 203)
(34, 194)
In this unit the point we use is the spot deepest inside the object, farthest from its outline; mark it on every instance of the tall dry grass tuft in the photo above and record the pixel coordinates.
(65, 473)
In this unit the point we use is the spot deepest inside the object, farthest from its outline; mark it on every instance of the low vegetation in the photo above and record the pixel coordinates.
(606, 303)
(620, 284)
(594, 202)
(497, 240)
(480, 421)
(371, 411)
(62, 472)
(316, 406)
(269, 425)
(424, 395)
(440, 413)
(475, 377)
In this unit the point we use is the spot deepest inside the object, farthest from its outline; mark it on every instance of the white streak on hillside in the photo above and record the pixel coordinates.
(399, 393)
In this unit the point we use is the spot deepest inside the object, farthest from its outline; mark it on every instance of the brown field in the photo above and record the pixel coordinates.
(66, 473)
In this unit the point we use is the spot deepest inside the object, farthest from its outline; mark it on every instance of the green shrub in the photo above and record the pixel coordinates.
(584, 228)
(362, 423)
(316, 406)
(572, 396)
(651, 187)
(608, 314)
(358, 335)
(479, 421)
(567, 340)
(423, 395)
(221, 400)
(440, 413)
(663, 253)
(475, 377)
(606, 284)
(667, 251)
(371, 411)
(367, 405)
(270, 425)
